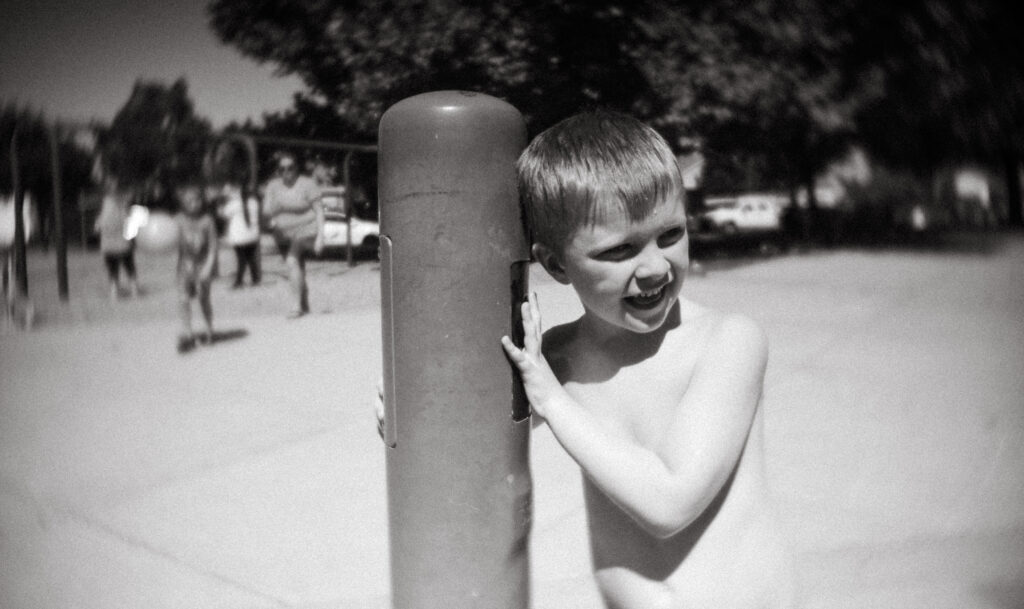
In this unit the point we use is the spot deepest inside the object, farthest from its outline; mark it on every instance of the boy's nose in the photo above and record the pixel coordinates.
(652, 265)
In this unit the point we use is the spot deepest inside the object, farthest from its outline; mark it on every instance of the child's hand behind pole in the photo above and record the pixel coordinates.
(539, 381)
(378, 407)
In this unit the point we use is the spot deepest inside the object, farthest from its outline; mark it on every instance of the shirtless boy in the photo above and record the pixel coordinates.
(657, 398)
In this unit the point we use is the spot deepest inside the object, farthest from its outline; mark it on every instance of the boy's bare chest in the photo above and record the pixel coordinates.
(640, 400)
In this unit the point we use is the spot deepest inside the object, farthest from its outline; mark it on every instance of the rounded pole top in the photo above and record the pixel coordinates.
(448, 106)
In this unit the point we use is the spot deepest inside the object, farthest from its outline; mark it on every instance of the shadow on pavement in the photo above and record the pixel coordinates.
(221, 336)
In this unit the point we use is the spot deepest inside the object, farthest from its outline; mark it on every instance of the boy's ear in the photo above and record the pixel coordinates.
(549, 260)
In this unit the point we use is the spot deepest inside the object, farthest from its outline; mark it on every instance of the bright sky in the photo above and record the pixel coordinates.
(78, 60)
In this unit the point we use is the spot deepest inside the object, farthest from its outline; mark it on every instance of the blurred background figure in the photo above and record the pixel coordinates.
(322, 173)
(28, 218)
(15, 306)
(295, 214)
(117, 249)
(240, 209)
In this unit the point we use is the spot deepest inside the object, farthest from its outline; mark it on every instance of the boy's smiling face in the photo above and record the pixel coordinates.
(627, 274)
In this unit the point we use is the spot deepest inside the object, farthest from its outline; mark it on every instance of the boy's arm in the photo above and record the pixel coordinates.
(100, 218)
(269, 206)
(663, 488)
(211, 252)
(318, 208)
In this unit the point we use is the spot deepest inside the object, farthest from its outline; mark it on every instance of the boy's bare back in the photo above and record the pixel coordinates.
(731, 554)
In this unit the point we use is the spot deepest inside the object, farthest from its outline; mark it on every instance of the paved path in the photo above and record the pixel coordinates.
(248, 475)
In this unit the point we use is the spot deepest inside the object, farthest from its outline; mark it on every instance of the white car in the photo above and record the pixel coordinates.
(745, 213)
(365, 234)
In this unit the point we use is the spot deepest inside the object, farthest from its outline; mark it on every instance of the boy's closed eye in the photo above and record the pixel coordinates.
(619, 252)
(627, 250)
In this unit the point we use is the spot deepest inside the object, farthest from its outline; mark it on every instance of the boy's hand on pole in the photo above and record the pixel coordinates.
(539, 381)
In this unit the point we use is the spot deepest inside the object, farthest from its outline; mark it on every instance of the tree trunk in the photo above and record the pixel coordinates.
(1013, 190)
(812, 217)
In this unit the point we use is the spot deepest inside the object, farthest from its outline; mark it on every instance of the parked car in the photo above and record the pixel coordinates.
(365, 234)
(741, 214)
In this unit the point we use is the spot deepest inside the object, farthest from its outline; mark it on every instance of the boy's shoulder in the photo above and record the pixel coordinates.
(558, 345)
(563, 336)
(731, 336)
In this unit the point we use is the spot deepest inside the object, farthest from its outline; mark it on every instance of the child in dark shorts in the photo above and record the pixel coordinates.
(118, 251)
(197, 248)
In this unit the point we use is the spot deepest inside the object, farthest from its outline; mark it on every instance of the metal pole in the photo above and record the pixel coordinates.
(454, 259)
(304, 143)
(348, 209)
(20, 264)
(81, 221)
(58, 215)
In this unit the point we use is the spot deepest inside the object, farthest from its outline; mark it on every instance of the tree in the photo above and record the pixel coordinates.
(773, 91)
(733, 72)
(952, 85)
(155, 140)
(549, 59)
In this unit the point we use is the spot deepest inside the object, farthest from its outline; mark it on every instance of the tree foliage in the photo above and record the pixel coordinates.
(952, 76)
(758, 84)
(743, 78)
(773, 90)
(155, 140)
(952, 85)
(361, 56)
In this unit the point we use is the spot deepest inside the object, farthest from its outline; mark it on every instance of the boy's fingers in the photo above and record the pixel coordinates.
(517, 355)
(526, 311)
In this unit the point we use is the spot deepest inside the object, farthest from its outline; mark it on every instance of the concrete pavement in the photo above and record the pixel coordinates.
(248, 475)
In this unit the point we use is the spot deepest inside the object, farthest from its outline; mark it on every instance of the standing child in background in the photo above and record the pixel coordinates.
(118, 251)
(241, 210)
(656, 397)
(197, 247)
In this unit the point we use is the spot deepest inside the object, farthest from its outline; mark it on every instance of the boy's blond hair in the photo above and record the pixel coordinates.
(589, 167)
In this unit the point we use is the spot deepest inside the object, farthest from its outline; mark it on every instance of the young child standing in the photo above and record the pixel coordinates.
(197, 248)
(657, 398)
(241, 210)
(118, 251)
